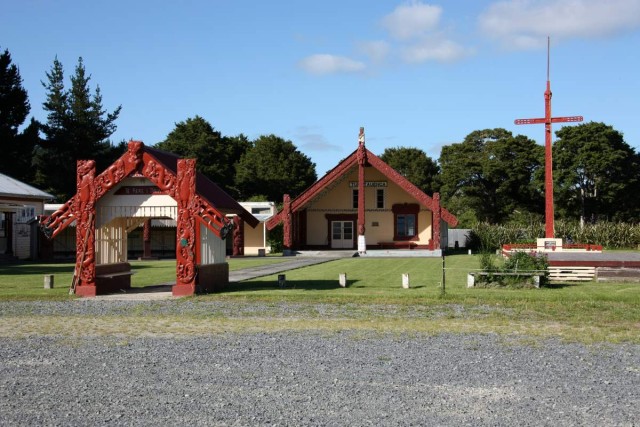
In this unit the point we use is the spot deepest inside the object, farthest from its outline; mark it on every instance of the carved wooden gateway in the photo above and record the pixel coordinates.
(196, 204)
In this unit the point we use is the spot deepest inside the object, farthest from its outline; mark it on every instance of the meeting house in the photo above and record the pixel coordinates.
(363, 203)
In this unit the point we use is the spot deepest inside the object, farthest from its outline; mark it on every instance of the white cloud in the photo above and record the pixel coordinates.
(376, 50)
(321, 64)
(412, 19)
(523, 24)
(313, 140)
(434, 49)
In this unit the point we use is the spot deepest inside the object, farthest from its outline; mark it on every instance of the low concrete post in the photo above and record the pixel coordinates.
(536, 281)
(48, 281)
(471, 280)
(405, 280)
(342, 280)
(282, 280)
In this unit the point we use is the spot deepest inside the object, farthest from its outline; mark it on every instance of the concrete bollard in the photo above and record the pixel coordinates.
(471, 280)
(282, 280)
(342, 280)
(48, 281)
(405, 280)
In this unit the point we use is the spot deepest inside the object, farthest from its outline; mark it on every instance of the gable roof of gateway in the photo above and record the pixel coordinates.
(343, 167)
(206, 188)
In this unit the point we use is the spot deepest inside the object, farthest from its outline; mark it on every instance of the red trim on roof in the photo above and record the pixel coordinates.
(206, 188)
(407, 186)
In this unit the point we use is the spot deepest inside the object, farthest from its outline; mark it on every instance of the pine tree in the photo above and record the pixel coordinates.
(77, 128)
(15, 147)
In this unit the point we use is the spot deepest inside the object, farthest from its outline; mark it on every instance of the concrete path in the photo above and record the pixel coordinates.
(267, 270)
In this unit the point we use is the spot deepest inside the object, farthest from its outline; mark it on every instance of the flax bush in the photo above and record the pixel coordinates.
(519, 262)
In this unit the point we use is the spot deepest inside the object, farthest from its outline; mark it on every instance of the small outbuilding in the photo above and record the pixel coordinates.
(20, 203)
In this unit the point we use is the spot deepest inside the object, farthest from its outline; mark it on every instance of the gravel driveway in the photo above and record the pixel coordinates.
(316, 378)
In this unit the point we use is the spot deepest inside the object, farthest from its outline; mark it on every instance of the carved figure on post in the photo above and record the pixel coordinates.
(185, 196)
(84, 211)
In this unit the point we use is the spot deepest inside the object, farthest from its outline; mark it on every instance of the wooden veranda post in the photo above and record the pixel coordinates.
(548, 158)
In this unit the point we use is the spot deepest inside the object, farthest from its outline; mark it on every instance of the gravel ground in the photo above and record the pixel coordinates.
(306, 377)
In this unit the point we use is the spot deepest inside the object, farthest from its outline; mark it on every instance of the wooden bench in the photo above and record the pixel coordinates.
(571, 274)
(113, 277)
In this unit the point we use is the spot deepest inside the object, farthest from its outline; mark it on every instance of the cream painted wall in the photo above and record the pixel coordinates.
(254, 239)
(338, 200)
(212, 248)
(111, 206)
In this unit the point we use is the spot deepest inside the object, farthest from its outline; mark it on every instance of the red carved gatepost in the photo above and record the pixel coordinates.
(84, 210)
(362, 161)
(186, 228)
(437, 216)
(287, 225)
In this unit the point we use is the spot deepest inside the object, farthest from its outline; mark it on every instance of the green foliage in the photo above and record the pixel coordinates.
(77, 128)
(508, 275)
(523, 261)
(595, 171)
(16, 147)
(217, 155)
(275, 239)
(272, 167)
(488, 261)
(491, 174)
(488, 237)
(413, 164)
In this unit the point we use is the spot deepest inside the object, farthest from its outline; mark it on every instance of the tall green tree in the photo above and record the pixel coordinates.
(216, 155)
(16, 146)
(77, 127)
(274, 166)
(491, 176)
(413, 164)
(597, 174)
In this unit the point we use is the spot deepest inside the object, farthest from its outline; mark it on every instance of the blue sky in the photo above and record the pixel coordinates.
(416, 74)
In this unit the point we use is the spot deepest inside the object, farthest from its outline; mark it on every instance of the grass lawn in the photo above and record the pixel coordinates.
(588, 312)
(25, 281)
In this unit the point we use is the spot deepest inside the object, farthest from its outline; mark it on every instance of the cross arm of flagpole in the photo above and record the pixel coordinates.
(544, 120)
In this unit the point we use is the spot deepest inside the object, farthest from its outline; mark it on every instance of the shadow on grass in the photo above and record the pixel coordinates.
(269, 285)
(27, 269)
(560, 285)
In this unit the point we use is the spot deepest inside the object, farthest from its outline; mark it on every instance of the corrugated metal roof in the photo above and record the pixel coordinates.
(14, 188)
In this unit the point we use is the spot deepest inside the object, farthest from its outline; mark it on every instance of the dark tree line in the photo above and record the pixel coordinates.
(44, 154)
(491, 176)
(263, 169)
